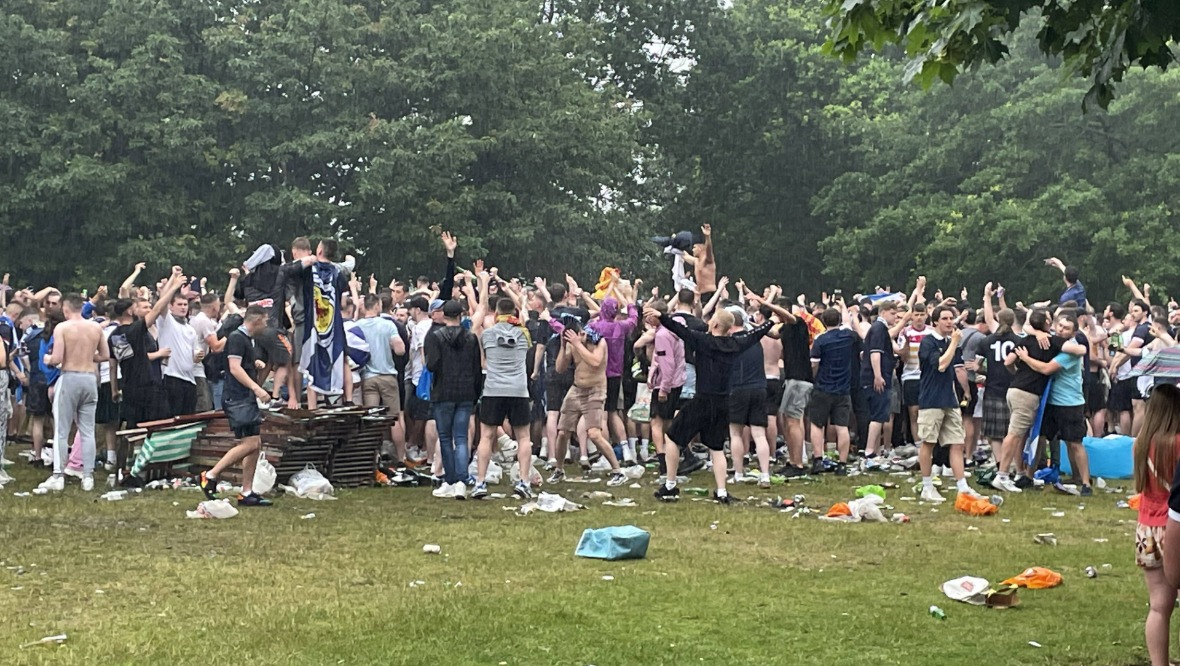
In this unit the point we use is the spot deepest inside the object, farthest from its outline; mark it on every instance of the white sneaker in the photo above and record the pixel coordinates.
(970, 492)
(76, 473)
(5, 462)
(1005, 485)
(5, 478)
(764, 481)
(54, 482)
(947, 471)
(932, 495)
(459, 490)
(739, 478)
(87, 484)
(445, 490)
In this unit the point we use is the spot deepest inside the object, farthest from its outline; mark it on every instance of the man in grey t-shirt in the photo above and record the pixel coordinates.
(970, 342)
(505, 348)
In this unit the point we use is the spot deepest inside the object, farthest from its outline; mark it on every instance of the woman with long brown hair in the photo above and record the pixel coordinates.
(1155, 456)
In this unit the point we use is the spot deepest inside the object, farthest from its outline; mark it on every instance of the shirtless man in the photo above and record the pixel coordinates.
(78, 347)
(586, 399)
(704, 265)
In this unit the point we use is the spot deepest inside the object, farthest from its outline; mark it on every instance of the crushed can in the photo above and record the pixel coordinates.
(1091, 572)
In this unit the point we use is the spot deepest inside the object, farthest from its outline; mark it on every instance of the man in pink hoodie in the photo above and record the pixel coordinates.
(613, 329)
(666, 380)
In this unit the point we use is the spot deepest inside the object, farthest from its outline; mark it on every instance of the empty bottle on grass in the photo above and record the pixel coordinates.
(937, 613)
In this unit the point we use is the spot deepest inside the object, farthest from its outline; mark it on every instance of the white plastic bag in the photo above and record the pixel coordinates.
(495, 472)
(264, 475)
(308, 481)
(506, 449)
(534, 474)
(554, 503)
(633, 472)
(213, 509)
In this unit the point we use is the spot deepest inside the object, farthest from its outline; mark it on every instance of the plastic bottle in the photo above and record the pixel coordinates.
(702, 492)
(937, 613)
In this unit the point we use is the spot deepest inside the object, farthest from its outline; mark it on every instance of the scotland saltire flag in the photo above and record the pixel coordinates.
(358, 347)
(1034, 433)
(323, 331)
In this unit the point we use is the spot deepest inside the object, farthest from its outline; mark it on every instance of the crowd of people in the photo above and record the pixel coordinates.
(605, 378)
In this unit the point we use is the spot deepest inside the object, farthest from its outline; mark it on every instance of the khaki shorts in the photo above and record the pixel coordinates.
(587, 402)
(796, 396)
(1023, 408)
(941, 426)
(381, 390)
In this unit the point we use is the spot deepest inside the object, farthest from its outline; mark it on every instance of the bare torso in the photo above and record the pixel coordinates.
(80, 342)
(587, 376)
(772, 354)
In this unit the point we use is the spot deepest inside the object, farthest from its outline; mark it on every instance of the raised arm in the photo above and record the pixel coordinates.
(1130, 284)
(129, 283)
(165, 298)
(446, 288)
(722, 287)
(228, 300)
(707, 231)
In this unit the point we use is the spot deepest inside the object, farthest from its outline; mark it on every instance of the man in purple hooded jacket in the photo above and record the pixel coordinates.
(614, 332)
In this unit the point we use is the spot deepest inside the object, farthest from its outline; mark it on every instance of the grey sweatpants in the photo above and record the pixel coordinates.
(75, 398)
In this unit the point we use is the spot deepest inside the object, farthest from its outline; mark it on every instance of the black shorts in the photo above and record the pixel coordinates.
(1120, 395)
(747, 407)
(144, 404)
(37, 396)
(829, 409)
(494, 410)
(417, 408)
(614, 394)
(556, 387)
(107, 411)
(877, 403)
(665, 410)
(182, 396)
(630, 393)
(242, 432)
(774, 395)
(909, 392)
(972, 399)
(704, 415)
(273, 346)
(1065, 423)
(1095, 393)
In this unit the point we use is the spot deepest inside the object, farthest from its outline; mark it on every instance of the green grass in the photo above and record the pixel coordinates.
(135, 582)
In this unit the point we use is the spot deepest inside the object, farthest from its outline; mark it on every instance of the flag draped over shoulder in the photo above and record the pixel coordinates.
(323, 342)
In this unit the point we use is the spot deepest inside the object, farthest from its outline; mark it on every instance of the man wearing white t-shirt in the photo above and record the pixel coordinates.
(911, 373)
(205, 326)
(177, 335)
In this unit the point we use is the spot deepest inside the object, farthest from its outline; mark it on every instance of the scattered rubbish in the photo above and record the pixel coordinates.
(899, 518)
(113, 495)
(635, 486)
(1058, 514)
(1034, 644)
(864, 509)
(937, 613)
(699, 492)
(1035, 578)
(307, 516)
(22, 494)
(908, 499)
(864, 491)
(974, 505)
(967, 589)
(213, 509)
(40, 491)
(633, 472)
(713, 525)
(1046, 539)
(48, 640)
(554, 503)
(998, 500)
(608, 577)
(417, 583)
(597, 495)
(1101, 540)
(432, 549)
(309, 483)
(972, 528)
(1100, 483)
(1005, 597)
(624, 542)
(1005, 520)
(1091, 572)
(626, 501)
(1121, 505)
(1106, 566)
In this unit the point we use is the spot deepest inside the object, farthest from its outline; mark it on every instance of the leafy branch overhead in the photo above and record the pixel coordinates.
(1098, 40)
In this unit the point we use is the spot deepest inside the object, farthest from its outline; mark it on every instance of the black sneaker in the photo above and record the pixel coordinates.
(721, 499)
(817, 466)
(792, 472)
(1087, 491)
(208, 485)
(664, 494)
(841, 469)
(1023, 482)
(253, 499)
(689, 464)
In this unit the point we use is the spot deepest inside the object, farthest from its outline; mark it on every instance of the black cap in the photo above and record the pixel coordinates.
(452, 309)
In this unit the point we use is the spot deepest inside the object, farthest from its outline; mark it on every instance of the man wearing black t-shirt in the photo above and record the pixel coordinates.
(241, 390)
(1027, 386)
(132, 343)
(684, 313)
(992, 352)
(876, 372)
(797, 386)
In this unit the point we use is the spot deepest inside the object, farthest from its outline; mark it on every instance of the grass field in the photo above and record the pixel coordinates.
(135, 582)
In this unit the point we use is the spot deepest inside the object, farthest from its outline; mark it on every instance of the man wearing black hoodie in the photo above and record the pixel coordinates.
(452, 356)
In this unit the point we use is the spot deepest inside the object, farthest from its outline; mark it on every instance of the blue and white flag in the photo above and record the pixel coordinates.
(323, 331)
(358, 347)
(1034, 433)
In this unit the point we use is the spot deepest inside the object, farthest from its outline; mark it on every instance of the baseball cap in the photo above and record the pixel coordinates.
(435, 305)
(450, 309)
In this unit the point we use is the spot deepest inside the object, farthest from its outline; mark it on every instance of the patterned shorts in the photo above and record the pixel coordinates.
(1149, 546)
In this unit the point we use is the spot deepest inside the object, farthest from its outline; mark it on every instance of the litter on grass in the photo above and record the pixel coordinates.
(625, 502)
(1035, 578)
(432, 549)
(1046, 539)
(213, 509)
(48, 640)
(626, 542)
